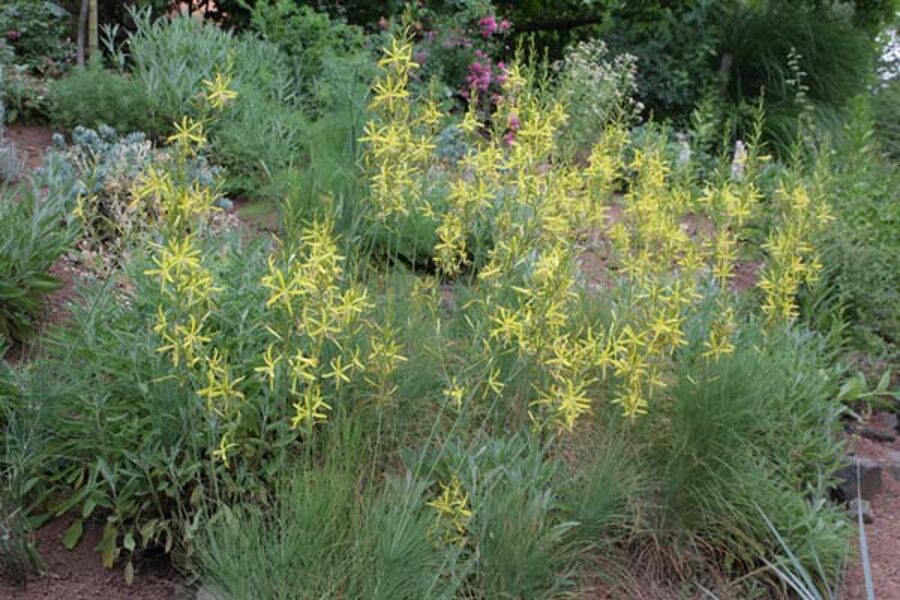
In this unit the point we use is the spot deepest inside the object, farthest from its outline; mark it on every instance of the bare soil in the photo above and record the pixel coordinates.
(31, 141)
(78, 574)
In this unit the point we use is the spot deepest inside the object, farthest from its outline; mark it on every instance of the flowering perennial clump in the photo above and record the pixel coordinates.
(315, 320)
(189, 289)
(540, 207)
(400, 138)
(321, 345)
(667, 246)
(793, 259)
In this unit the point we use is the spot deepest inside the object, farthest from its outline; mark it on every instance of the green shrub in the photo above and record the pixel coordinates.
(343, 532)
(885, 106)
(311, 40)
(11, 165)
(862, 249)
(26, 97)
(262, 130)
(606, 491)
(517, 535)
(833, 57)
(21, 453)
(259, 136)
(675, 45)
(95, 96)
(37, 32)
(455, 53)
(146, 458)
(32, 237)
(96, 175)
(599, 89)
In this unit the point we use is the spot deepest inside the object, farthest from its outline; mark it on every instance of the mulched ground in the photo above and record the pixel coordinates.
(77, 574)
(31, 141)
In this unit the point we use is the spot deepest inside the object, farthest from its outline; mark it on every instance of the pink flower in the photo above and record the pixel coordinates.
(513, 121)
(13, 35)
(505, 25)
(479, 76)
(510, 138)
(501, 77)
(383, 24)
(429, 36)
(488, 26)
(420, 57)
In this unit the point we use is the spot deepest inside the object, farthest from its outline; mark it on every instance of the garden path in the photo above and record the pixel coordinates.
(883, 534)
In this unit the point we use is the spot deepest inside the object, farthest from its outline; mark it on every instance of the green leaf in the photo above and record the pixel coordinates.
(73, 534)
(852, 389)
(129, 573)
(45, 283)
(197, 495)
(107, 546)
(884, 382)
(128, 542)
(88, 508)
(36, 521)
(29, 484)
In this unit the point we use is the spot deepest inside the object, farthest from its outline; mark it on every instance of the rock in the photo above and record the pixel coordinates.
(892, 462)
(870, 480)
(857, 506)
(877, 436)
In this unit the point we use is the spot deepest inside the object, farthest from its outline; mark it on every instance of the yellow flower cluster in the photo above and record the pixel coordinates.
(666, 242)
(316, 321)
(535, 206)
(382, 361)
(400, 141)
(792, 258)
(453, 511)
(188, 288)
(719, 342)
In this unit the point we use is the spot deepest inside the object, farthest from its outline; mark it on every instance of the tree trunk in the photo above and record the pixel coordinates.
(93, 34)
(82, 25)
